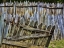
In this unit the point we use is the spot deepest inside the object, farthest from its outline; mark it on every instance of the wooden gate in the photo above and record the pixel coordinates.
(36, 38)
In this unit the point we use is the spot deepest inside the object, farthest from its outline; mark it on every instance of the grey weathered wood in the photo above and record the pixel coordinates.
(33, 36)
(14, 42)
(33, 29)
(31, 24)
(49, 37)
(35, 24)
(49, 28)
(40, 26)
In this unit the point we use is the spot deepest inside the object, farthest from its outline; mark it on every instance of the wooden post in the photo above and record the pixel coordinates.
(63, 10)
(50, 37)
(63, 17)
(4, 1)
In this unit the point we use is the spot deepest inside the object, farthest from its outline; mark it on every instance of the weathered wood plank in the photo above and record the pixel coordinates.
(33, 29)
(14, 43)
(28, 37)
(32, 36)
(49, 38)
(11, 46)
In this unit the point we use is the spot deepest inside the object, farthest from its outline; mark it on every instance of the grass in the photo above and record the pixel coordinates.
(57, 44)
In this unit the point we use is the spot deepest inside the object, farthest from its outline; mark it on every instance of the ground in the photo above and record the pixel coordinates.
(57, 44)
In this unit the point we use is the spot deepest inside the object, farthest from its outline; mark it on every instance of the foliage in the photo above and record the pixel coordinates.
(50, 1)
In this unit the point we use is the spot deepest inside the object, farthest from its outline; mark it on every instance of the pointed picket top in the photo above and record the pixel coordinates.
(10, 1)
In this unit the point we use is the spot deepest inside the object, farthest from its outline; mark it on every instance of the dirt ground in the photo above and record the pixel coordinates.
(36, 47)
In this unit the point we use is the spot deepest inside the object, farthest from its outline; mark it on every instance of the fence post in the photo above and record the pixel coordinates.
(50, 37)
(63, 19)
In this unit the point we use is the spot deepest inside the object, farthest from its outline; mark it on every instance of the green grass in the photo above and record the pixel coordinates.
(57, 44)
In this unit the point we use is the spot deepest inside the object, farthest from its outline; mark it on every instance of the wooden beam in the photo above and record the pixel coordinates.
(32, 36)
(14, 43)
(50, 37)
(35, 6)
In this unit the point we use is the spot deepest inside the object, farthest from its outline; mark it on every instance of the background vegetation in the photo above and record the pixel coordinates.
(50, 1)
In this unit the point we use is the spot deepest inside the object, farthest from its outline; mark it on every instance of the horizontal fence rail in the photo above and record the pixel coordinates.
(35, 6)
